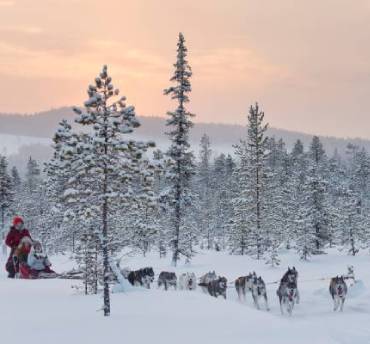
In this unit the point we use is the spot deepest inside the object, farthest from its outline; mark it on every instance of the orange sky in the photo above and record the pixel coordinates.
(306, 62)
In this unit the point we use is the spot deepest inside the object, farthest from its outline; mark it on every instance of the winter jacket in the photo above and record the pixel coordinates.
(13, 240)
(15, 236)
(37, 261)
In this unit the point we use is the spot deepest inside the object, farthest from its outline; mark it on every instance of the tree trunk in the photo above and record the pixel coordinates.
(175, 256)
(106, 269)
(176, 240)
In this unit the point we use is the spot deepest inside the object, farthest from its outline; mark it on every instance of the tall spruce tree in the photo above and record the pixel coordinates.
(182, 169)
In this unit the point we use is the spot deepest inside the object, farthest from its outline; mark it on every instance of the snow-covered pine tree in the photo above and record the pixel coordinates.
(6, 196)
(276, 210)
(55, 235)
(222, 189)
(286, 187)
(305, 237)
(161, 164)
(182, 169)
(317, 188)
(111, 161)
(337, 189)
(353, 223)
(249, 204)
(145, 223)
(355, 208)
(16, 179)
(17, 189)
(33, 197)
(240, 227)
(204, 192)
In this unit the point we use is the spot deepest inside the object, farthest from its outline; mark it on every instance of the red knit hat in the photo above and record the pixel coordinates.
(17, 220)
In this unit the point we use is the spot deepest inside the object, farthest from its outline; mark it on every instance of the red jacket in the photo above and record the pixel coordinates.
(14, 237)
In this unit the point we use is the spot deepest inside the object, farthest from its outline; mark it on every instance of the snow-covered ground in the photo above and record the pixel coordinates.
(51, 311)
(10, 144)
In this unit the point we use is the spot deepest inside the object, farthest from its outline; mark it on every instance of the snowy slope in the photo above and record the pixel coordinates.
(10, 144)
(46, 311)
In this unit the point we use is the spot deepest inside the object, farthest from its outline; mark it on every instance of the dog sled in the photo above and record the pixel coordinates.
(26, 273)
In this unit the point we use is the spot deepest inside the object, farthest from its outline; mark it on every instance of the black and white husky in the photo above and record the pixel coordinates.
(255, 285)
(205, 279)
(287, 297)
(216, 287)
(288, 291)
(338, 292)
(167, 279)
(143, 277)
(244, 284)
(259, 291)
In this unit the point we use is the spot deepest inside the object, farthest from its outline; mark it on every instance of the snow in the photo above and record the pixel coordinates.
(51, 311)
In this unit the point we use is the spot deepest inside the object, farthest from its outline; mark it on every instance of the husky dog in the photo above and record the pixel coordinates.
(287, 297)
(255, 285)
(258, 291)
(288, 290)
(290, 276)
(143, 277)
(187, 281)
(244, 284)
(338, 291)
(216, 287)
(205, 279)
(167, 279)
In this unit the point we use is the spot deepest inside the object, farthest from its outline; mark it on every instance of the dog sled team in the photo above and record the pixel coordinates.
(27, 258)
(210, 283)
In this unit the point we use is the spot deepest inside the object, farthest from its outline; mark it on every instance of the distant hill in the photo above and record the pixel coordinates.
(223, 136)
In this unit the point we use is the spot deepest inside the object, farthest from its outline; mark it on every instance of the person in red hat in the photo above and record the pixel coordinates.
(15, 237)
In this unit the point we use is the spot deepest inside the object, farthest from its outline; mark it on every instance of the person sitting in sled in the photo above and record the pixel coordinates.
(13, 239)
(38, 263)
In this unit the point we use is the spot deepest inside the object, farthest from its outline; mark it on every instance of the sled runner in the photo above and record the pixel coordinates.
(26, 273)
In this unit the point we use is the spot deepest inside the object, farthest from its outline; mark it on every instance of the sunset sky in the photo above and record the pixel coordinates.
(306, 62)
